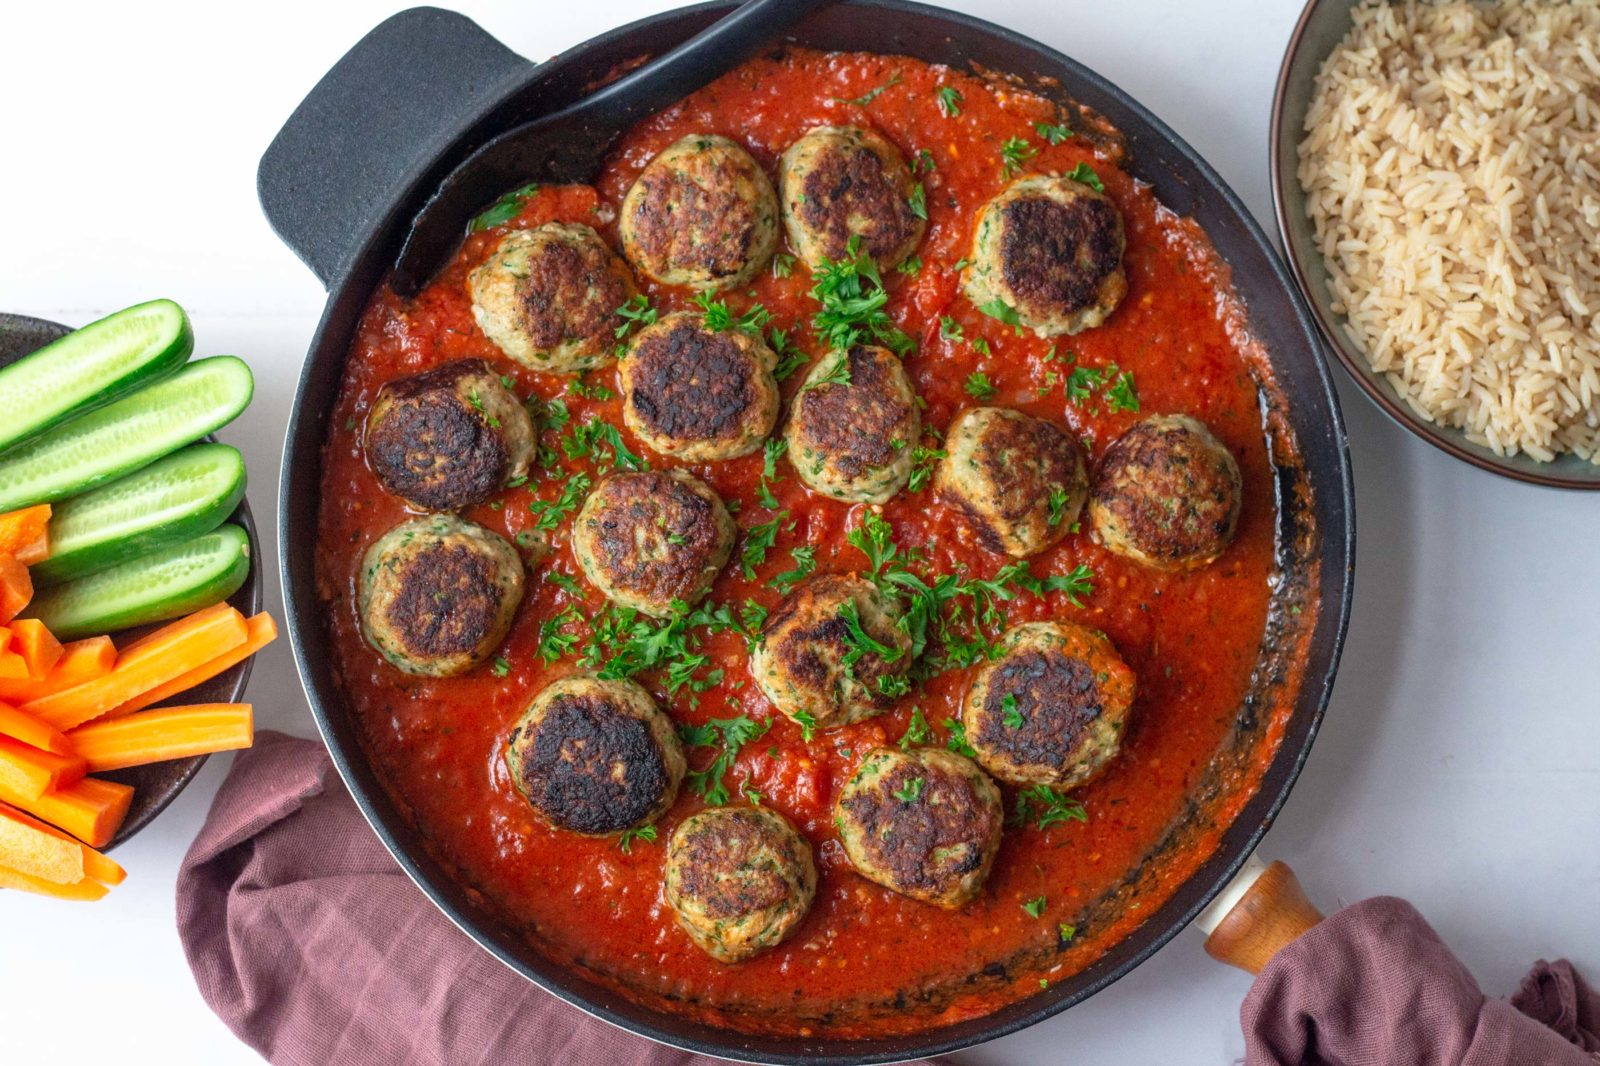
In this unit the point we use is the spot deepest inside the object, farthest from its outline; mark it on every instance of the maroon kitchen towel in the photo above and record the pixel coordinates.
(1373, 985)
(315, 948)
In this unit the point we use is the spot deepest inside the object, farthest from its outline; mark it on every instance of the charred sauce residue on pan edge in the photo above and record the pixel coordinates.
(1218, 653)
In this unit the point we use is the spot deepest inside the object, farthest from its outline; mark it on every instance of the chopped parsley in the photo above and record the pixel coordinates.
(950, 101)
(1066, 932)
(1084, 173)
(1014, 153)
(807, 723)
(958, 739)
(757, 541)
(805, 561)
(918, 202)
(910, 267)
(866, 98)
(733, 734)
(1058, 505)
(1052, 806)
(600, 441)
(504, 209)
(1034, 907)
(853, 298)
(950, 329)
(790, 358)
(837, 374)
(1053, 133)
(909, 792)
(719, 319)
(501, 667)
(917, 730)
(998, 308)
(1012, 716)
(922, 462)
(628, 836)
(635, 314)
(772, 451)
(1121, 395)
(923, 163)
(782, 265)
(979, 386)
(551, 512)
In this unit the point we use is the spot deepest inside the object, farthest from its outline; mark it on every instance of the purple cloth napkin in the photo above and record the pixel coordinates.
(1373, 985)
(315, 948)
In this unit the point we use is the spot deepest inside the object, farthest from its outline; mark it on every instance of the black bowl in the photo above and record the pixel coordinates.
(157, 784)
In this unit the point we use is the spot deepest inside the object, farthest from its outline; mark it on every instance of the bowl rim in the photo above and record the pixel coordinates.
(1448, 439)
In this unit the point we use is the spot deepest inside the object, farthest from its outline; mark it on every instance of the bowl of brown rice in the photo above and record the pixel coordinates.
(1436, 177)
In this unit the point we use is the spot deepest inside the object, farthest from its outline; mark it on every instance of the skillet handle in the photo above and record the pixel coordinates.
(376, 126)
(1260, 913)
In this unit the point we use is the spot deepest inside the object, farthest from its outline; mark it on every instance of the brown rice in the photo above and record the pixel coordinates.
(1452, 170)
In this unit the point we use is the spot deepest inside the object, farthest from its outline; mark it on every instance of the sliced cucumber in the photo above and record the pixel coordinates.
(91, 367)
(126, 435)
(152, 588)
(172, 500)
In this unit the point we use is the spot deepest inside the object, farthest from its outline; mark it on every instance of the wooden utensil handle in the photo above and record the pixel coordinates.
(1272, 912)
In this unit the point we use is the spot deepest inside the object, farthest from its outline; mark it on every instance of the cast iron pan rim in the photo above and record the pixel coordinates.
(169, 787)
(1446, 439)
(1336, 592)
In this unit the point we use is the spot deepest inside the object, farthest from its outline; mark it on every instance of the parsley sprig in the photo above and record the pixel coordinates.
(853, 299)
(732, 734)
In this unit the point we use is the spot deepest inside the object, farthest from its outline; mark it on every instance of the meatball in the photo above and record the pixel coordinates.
(437, 595)
(448, 438)
(1050, 708)
(548, 297)
(1167, 494)
(1019, 480)
(701, 214)
(812, 669)
(595, 757)
(653, 541)
(924, 823)
(840, 182)
(853, 424)
(739, 880)
(1051, 249)
(698, 394)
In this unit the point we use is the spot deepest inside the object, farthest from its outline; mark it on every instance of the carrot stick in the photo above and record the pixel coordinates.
(263, 631)
(32, 772)
(21, 530)
(38, 646)
(87, 889)
(164, 733)
(91, 810)
(81, 660)
(32, 732)
(170, 652)
(16, 587)
(29, 850)
(95, 865)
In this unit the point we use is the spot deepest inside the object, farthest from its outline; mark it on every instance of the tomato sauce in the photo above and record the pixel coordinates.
(863, 953)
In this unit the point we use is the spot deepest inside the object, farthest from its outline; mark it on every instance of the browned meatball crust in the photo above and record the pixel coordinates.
(1167, 494)
(1019, 480)
(841, 182)
(699, 394)
(448, 438)
(1051, 708)
(853, 440)
(595, 757)
(653, 540)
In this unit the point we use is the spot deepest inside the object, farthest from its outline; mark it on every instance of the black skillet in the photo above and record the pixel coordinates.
(349, 171)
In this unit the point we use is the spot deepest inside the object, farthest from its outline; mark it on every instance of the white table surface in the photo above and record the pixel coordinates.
(1459, 765)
